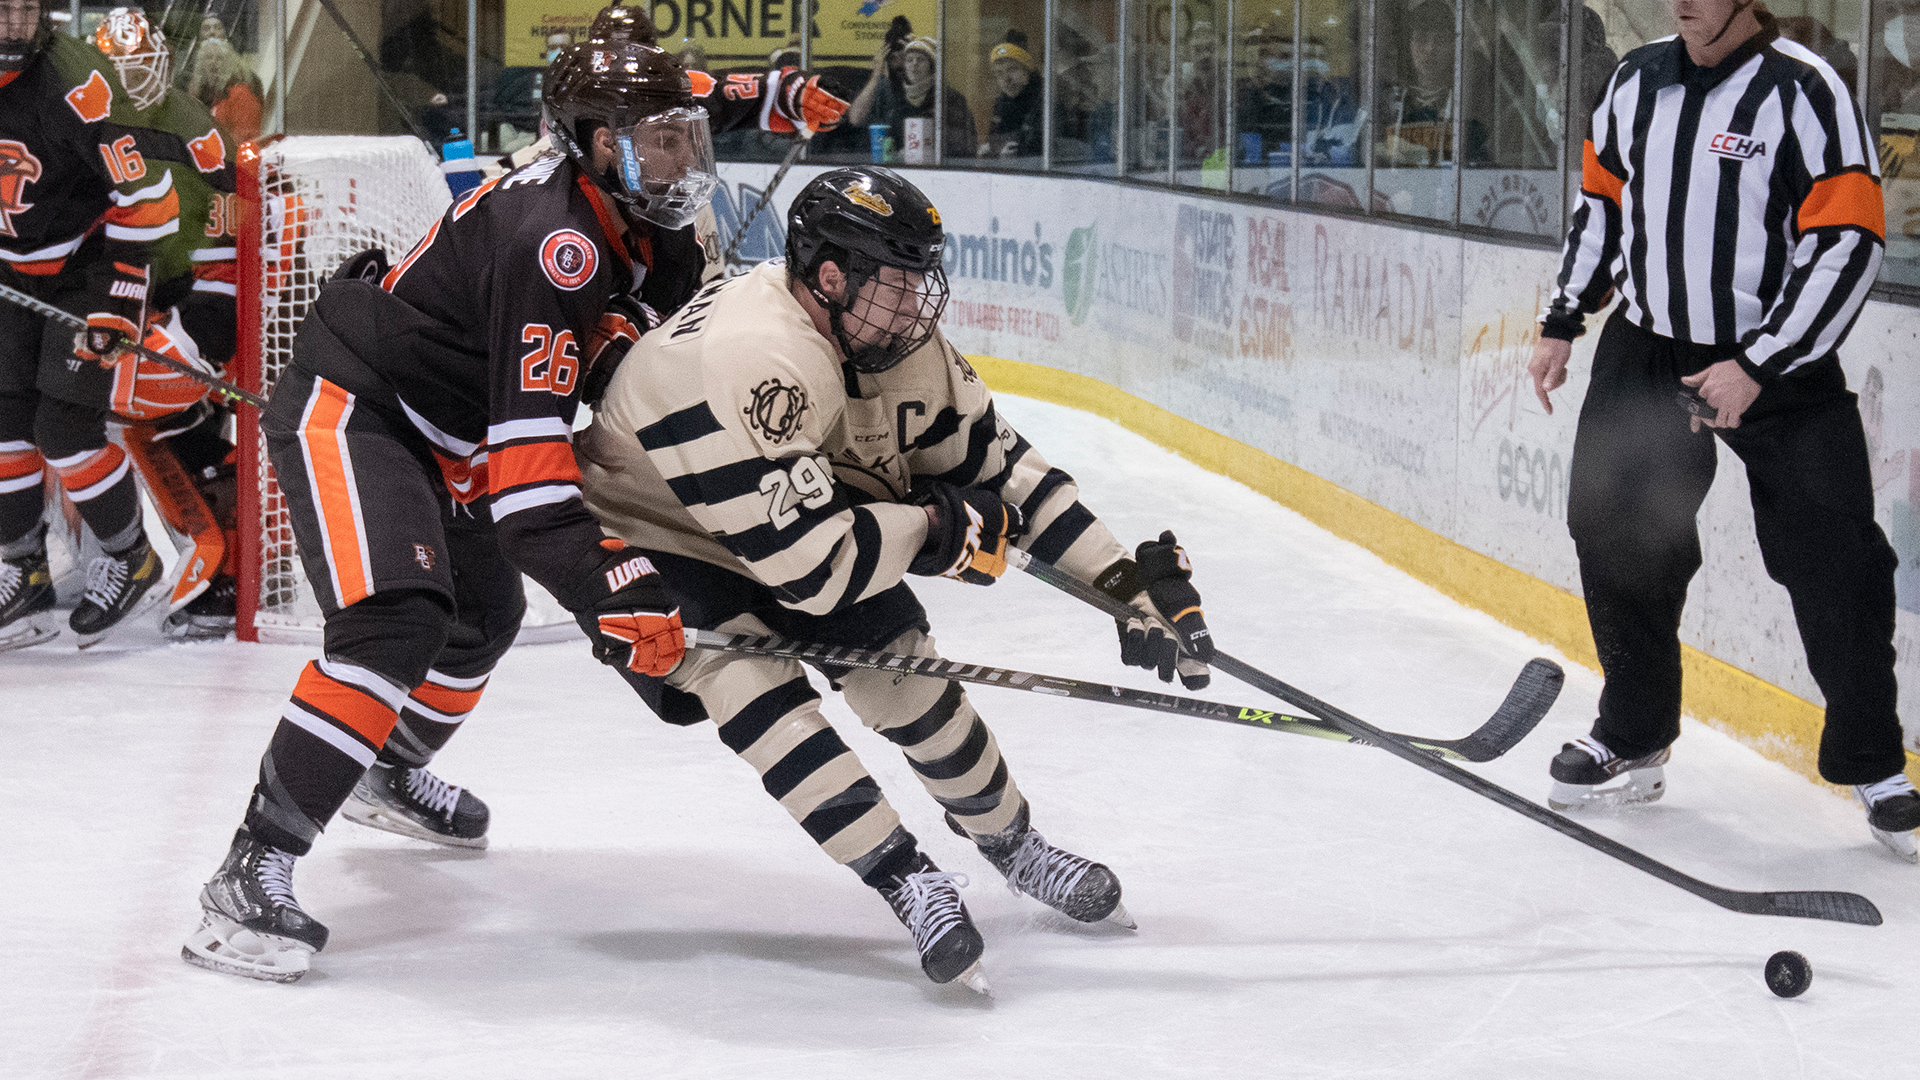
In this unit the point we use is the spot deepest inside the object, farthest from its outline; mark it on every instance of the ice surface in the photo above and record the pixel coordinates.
(1306, 909)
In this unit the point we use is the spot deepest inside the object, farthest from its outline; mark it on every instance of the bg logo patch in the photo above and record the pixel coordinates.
(568, 259)
(1739, 147)
(776, 409)
(18, 168)
(423, 555)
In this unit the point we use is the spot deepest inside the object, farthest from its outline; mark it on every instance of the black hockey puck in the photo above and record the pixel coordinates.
(1788, 974)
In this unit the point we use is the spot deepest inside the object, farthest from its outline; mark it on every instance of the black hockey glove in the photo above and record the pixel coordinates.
(1170, 633)
(617, 597)
(967, 534)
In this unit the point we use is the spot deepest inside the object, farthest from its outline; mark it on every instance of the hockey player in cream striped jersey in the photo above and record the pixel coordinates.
(786, 448)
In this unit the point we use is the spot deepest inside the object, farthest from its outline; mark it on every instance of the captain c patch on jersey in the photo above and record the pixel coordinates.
(775, 410)
(568, 259)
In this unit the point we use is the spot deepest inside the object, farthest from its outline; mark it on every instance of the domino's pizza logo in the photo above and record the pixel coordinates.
(568, 258)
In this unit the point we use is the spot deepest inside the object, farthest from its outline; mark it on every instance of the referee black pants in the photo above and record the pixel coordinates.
(1639, 476)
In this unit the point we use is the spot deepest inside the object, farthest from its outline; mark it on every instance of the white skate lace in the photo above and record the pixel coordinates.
(1045, 872)
(276, 877)
(432, 792)
(1598, 752)
(1872, 794)
(106, 576)
(11, 578)
(931, 901)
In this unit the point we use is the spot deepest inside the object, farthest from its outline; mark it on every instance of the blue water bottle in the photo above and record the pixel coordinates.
(457, 163)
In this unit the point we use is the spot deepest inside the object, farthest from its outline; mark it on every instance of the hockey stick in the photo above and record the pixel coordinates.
(379, 76)
(1483, 745)
(1833, 906)
(793, 154)
(220, 386)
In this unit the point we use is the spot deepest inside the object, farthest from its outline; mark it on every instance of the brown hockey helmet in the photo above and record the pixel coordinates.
(24, 31)
(663, 170)
(623, 22)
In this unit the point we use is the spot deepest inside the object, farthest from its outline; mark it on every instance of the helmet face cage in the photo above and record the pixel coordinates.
(665, 167)
(139, 53)
(888, 313)
(24, 31)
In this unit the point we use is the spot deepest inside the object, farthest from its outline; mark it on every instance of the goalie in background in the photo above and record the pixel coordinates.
(92, 197)
(786, 449)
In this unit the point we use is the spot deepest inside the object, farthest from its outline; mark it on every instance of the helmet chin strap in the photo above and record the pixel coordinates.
(1738, 7)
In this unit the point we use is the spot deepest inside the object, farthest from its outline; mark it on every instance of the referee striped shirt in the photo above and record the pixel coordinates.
(1736, 206)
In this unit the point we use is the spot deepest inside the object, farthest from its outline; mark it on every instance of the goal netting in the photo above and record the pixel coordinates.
(309, 204)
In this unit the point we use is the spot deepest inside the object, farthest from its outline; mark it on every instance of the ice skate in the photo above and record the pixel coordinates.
(251, 925)
(416, 803)
(119, 587)
(1584, 764)
(927, 902)
(1893, 812)
(207, 617)
(26, 596)
(1078, 888)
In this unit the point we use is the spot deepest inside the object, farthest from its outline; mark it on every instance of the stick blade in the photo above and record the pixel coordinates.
(1533, 693)
(1843, 907)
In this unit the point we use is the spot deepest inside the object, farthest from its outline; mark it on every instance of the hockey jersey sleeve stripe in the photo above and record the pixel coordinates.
(522, 464)
(678, 428)
(459, 448)
(147, 213)
(1059, 536)
(867, 541)
(216, 254)
(50, 253)
(121, 232)
(1053, 481)
(945, 425)
(809, 585)
(1848, 199)
(716, 486)
(545, 495)
(1595, 178)
(539, 427)
(981, 438)
(224, 288)
(163, 186)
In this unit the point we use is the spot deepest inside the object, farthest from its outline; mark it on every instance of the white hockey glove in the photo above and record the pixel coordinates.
(1169, 634)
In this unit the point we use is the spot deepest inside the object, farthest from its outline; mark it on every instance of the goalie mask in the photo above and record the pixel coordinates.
(885, 236)
(24, 30)
(662, 168)
(139, 53)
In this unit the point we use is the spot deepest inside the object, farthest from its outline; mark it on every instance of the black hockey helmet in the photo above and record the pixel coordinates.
(623, 22)
(25, 29)
(663, 169)
(862, 219)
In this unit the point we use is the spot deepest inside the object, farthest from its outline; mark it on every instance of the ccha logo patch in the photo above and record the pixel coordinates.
(1739, 147)
(568, 258)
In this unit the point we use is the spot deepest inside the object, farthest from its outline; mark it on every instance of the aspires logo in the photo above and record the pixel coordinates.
(1077, 270)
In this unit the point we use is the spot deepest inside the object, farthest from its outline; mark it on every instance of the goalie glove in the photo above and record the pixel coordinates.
(618, 598)
(967, 534)
(1170, 632)
(145, 389)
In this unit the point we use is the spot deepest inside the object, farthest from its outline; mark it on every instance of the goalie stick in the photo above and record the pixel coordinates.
(1494, 738)
(220, 386)
(1832, 906)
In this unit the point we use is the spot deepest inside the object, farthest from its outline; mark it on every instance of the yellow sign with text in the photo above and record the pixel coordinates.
(734, 33)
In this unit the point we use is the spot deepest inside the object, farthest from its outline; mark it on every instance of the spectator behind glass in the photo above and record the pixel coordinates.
(893, 106)
(224, 82)
(1416, 103)
(1084, 114)
(888, 77)
(1019, 109)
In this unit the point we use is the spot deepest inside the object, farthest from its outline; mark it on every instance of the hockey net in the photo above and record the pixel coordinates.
(309, 203)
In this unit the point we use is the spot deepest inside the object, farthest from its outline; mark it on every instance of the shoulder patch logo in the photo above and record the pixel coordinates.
(1739, 147)
(568, 258)
(209, 151)
(18, 168)
(776, 410)
(91, 100)
(702, 82)
(862, 197)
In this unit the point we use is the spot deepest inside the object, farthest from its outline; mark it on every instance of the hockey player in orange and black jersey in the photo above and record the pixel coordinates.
(422, 438)
(74, 154)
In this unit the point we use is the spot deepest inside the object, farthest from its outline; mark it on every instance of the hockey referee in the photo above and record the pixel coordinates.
(1730, 193)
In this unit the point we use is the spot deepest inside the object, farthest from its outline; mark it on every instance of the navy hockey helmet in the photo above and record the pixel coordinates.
(663, 170)
(865, 220)
(24, 30)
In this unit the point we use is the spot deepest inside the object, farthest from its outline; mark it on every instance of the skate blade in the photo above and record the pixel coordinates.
(27, 633)
(1902, 844)
(227, 947)
(975, 980)
(374, 817)
(141, 607)
(191, 629)
(1643, 786)
(1119, 916)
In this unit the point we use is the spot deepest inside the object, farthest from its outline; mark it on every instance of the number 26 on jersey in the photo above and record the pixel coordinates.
(554, 362)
